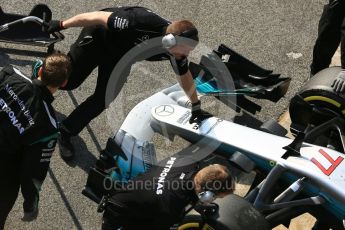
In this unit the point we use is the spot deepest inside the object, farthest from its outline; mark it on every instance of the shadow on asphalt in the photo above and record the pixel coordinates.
(6, 60)
(65, 200)
(90, 131)
(83, 159)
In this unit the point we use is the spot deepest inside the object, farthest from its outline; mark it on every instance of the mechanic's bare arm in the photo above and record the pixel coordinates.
(188, 86)
(88, 19)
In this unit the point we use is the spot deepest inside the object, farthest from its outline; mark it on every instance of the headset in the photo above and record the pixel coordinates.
(208, 195)
(170, 40)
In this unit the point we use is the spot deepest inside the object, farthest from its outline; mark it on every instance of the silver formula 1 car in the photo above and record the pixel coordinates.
(293, 176)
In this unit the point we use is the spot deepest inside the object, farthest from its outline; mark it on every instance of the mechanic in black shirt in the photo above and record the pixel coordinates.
(28, 132)
(106, 37)
(331, 32)
(158, 198)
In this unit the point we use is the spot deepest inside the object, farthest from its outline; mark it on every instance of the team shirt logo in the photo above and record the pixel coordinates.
(163, 174)
(120, 23)
(4, 107)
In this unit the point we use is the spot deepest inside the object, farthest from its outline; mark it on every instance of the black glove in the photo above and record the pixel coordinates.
(55, 26)
(197, 114)
(339, 82)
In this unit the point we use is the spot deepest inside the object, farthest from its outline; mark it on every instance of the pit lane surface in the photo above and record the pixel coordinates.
(264, 31)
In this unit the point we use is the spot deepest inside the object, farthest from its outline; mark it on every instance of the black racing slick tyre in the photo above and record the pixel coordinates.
(234, 213)
(193, 222)
(326, 104)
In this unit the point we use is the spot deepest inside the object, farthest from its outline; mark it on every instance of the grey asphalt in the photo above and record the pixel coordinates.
(264, 31)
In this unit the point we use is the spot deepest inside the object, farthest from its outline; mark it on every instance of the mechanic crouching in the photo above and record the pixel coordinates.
(158, 198)
(28, 132)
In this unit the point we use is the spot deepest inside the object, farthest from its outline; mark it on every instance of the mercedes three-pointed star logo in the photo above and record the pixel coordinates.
(164, 110)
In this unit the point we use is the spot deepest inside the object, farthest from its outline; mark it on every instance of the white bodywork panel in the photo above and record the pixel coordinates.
(260, 144)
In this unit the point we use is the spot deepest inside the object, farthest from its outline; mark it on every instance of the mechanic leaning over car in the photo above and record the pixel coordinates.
(28, 132)
(331, 32)
(158, 198)
(106, 37)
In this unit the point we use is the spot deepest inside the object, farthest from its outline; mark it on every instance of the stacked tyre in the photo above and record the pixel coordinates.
(316, 102)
